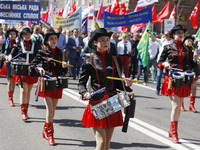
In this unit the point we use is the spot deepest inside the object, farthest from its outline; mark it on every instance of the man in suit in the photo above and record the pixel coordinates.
(75, 44)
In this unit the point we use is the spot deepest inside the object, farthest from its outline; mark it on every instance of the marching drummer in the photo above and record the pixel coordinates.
(52, 69)
(5, 51)
(98, 66)
(28, 49)
(188, 42)
(178, 57)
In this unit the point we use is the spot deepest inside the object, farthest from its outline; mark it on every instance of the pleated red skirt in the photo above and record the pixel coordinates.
(183, 91)
(53, 94)
(27, 79)
(111, 121)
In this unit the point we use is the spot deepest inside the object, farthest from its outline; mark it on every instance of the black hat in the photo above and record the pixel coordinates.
(49, 33)
(98, 33)
(188, 37)
(12, 30)
(25, 30)
(176, 28)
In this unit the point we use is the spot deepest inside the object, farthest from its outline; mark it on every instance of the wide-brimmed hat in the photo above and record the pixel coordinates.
(98, 33)
(176, 28)
(49, 33)
(12, 30)
(25, 30)
(188, 37)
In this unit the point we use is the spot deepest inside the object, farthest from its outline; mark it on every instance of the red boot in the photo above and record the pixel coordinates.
(24, 111)
(192, 101)
(10, 98)
(170, 131)
(50, 132)
(44, 132)
(182, 107)
(174, 134)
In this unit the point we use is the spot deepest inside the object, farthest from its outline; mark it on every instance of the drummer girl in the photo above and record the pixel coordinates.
(5, 51)
(25, 47)
(52, 69)
(187, 42)
(98, 67)
(178, 57)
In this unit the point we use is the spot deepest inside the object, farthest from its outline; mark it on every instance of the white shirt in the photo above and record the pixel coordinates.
(120, 47)
(86, 40)
(153, 49)
(77, 41)
(164, 42)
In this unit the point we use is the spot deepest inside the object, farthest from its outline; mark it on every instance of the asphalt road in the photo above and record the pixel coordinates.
(148, 130)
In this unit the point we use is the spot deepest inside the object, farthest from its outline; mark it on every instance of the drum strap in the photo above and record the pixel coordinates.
(119, 71)
(27, 52)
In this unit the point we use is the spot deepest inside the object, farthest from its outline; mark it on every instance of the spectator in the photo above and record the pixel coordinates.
(36, 36)
(2, 37)
(133, 64)
(86, 39)
(75, 44)
(5, 29)
(62, 39)
(124, 50)
(84, 34)
(115, 39)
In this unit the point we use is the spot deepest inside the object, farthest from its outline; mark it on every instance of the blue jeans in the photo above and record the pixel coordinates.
(158, 79)
(153, 64)
(140, 71)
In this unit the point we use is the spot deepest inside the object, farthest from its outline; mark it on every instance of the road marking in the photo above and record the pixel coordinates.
(134, 124)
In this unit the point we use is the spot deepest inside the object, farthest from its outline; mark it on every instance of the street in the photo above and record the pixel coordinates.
(148, 130)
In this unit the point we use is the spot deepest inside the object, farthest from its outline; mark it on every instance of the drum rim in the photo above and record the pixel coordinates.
(62, 77)
(178, 77)
(21, 63)
(190, 74)
(52, 79)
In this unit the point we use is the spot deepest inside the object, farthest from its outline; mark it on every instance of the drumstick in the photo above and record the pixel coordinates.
(61, 62)
(14, 57)
(38, 87)
(97, 91)
(176, 69)
(45, 74)
(114, 78)
(192, 46)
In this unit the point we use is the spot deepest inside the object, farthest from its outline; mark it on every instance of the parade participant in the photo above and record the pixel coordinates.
(187, 43)
(5, 51)
(178, 57)
(98, 66)
(52, 69)
(27, 48)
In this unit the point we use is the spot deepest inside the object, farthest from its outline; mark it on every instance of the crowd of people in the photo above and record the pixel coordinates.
(95, 55)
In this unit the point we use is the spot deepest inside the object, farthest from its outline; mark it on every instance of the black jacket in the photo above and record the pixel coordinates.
(171, 52)
(43, 57)
(93, 67)
(8, 50)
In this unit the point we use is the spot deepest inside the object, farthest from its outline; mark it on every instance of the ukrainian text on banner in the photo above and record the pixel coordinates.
(142, 16)
(20, 10)
(72, 22)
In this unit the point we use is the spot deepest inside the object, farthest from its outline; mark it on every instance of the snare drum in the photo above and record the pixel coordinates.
(110, 105)
(62, 82)
(189, 76)
(19, 68)
(178, 79)
(8, 69)
(50, 84)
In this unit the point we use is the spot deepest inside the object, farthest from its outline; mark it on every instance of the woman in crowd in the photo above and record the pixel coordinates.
(52, 69)
(5, 51)
(25, 47)
(98, 66)
(2, 37)
(178, 57)
(188, 43)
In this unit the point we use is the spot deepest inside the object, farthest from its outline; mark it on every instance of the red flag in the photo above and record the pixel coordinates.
(154, 17)
(122, 11)
(173, 13)
(45, 16)
(100, 12)
(137, 8)
(164, 12)
(73, 9)
(115, 7)
(194, 16)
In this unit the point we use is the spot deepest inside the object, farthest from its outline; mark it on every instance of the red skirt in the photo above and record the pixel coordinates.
(111, 121)
(3, 71)
(53, 94)
(183, 91)
(27, 79)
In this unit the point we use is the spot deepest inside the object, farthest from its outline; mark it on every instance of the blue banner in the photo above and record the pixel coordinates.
(142, 16)
(20, 10)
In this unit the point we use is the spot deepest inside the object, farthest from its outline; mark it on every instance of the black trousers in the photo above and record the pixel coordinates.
(133, 66)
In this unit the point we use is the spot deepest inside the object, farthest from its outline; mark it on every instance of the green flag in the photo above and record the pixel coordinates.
(143, 46)
(198, 35)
